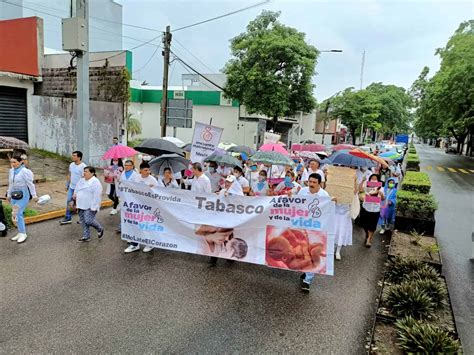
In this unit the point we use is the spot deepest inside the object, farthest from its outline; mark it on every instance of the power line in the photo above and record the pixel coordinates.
(187, 50)
(148, 61)
(198, 73)
(190, 72)
(222, 16)
(59, 17)
(105, 20)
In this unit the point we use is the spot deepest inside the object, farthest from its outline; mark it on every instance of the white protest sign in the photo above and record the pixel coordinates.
(205, 140)
(293, 233)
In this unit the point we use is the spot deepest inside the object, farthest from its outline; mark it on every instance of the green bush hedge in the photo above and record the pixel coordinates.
(416, 182)
(7, 209)
(416, 205)
(413, 162)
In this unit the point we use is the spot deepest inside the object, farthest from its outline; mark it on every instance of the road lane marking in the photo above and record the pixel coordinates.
(440, 168)
(452, 170)
(463, 171)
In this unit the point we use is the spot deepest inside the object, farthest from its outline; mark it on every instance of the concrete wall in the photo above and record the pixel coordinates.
(105, 84)
(235, 130)
(28, 85)
(54, 126)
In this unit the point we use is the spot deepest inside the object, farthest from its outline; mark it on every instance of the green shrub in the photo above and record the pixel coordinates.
(399, 268)
(425, 272)
(407, 299)
(415, 337)
(416, 205)
(416, 182)
(435, 289)
(413, 162)
(7, 209)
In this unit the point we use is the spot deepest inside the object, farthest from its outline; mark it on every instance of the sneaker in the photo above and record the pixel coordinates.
(132, 248)
(82, 240)
(78, 222)
(305, 287)
(113, 212)
(212, 261)
(65, 221)
(338, 256)
(382, 231)
(147, 249)
(302, 276)
(100, 234)
(15, 238)
(22, 238)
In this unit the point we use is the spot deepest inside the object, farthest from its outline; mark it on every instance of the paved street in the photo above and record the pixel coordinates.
(452, 177)
(61, 296)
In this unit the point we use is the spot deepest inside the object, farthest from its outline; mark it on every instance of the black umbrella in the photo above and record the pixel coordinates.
(242, 149)
(157, 146)
(187, 147)
(174, 161)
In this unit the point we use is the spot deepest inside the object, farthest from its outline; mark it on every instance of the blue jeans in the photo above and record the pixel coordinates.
(20, 220)
(308, 277)
(70, 192)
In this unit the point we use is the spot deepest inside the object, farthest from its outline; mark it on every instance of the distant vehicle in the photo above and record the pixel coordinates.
(402, 138)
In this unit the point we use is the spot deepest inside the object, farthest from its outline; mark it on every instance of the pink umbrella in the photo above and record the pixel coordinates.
(119, 151)
(343, 147)
(308, 147)
(272, 147)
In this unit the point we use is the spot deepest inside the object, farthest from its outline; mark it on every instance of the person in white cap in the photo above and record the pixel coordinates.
(231, 187)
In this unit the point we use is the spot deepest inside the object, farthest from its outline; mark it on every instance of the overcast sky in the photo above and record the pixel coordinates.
(399, 37)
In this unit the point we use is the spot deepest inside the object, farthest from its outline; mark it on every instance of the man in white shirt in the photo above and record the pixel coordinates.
(214, 176)
(314, 168)
(314, 189)
(146, 178)
(201, 182)
(76, 172)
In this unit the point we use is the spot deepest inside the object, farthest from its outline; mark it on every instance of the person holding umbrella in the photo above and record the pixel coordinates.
(168, 179)
(371, 206)
(260, 188)
(111, 177)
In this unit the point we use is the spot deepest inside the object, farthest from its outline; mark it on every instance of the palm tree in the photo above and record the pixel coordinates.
(134, 126)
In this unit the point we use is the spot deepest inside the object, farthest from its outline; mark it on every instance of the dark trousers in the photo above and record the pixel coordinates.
(113, 196)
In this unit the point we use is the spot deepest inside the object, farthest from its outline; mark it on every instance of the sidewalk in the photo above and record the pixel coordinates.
(50, 178)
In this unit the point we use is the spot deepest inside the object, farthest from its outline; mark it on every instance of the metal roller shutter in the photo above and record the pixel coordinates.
(13, 113)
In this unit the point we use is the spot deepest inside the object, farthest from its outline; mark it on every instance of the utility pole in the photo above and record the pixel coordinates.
(83, 114)
(166, 63)
(360, 88)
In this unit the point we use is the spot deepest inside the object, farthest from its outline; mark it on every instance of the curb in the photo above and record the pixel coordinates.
(56, 214)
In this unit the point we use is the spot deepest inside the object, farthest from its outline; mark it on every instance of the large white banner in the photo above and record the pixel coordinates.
(295, 233)
(206, 138)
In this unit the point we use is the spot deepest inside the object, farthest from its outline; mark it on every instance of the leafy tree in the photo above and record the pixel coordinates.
(355, 108)
(446, 101)
(395, 105)
(272, 68)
